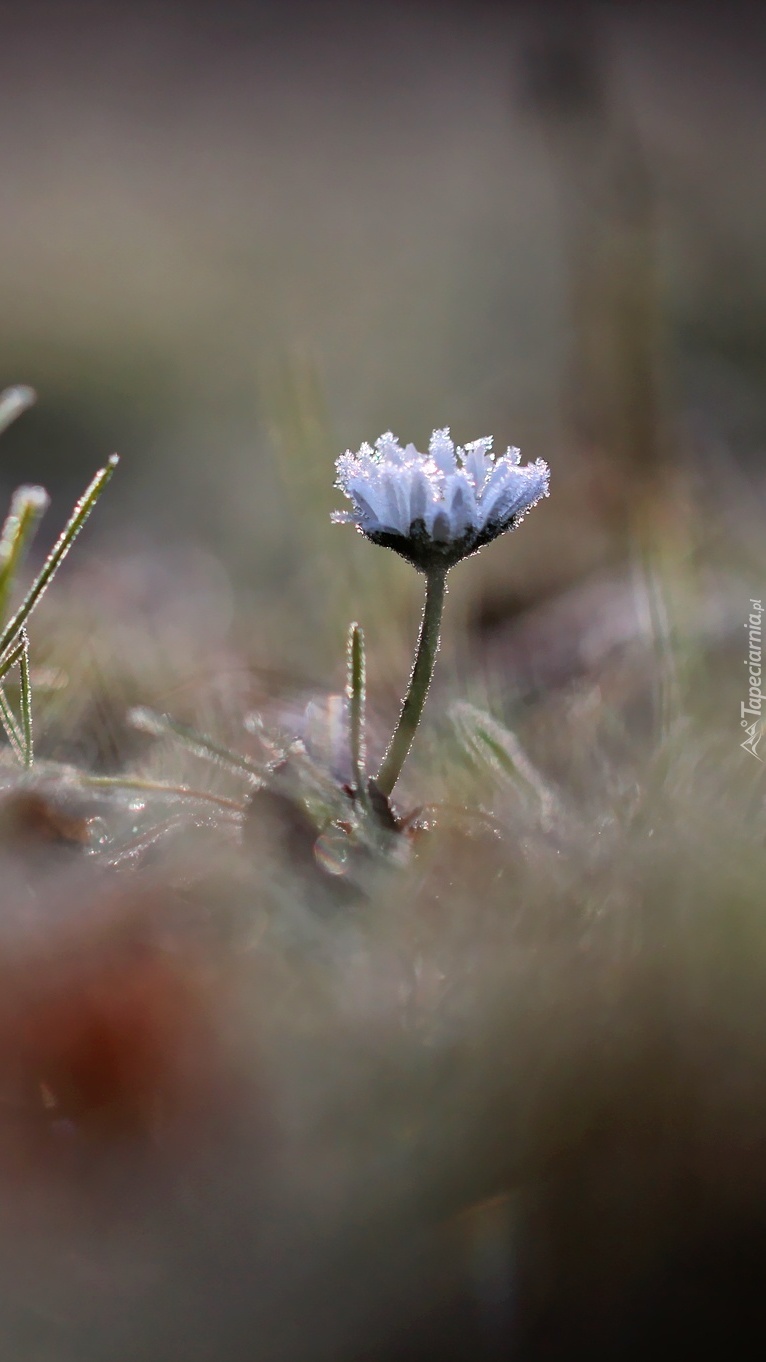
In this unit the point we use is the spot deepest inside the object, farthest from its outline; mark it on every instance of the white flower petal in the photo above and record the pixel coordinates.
(389, 450)
(477, 462)
(522, 489)
(451, 492)
(397, 509)
(503, 475)
(495, 487)
(461, 502)
(367, 503)
(442, 451)
(421, 495)
(404, 496)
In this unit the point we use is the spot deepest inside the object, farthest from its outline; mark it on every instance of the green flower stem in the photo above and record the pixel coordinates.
(420, 680)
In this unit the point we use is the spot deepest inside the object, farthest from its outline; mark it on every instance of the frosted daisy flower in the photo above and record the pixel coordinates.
(437, 508)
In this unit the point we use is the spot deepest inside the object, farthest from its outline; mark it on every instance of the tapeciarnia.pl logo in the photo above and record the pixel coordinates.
(750, 710)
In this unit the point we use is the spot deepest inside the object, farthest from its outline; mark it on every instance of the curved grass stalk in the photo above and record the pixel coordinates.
(28, 504)
(200, 744)
(147, 786)
(57, 555)
(11, 657)
(26, 701)
(12, 731)
(356, 692)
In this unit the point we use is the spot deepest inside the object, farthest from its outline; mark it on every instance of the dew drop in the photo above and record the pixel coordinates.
(98, 833)
(331, 852)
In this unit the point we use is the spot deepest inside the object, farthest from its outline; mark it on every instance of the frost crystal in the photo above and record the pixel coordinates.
(437, 508)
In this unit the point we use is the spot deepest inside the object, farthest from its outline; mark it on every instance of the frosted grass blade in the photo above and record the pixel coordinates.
(201, 744)
(356, 691)
(28, 505)
(26, 701)
(58, 553)
(12, 730)
(14, 401)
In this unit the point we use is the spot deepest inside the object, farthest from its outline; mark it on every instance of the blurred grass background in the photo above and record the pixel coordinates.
(238, 238)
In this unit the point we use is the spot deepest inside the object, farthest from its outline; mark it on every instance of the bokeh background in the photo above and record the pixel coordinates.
(506, 1099)
(238, 238)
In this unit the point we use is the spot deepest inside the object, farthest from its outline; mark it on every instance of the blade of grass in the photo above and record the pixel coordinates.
(147, 786)
(14, 401)
(201, 744)
(12, 730)
(28, 504)
(16, 737)
(499, 749)
(356, 691)
(57, 554)
(26, 701)
(654, 590)
(11, 657)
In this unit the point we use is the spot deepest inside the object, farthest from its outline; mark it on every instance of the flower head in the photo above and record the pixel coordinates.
(437, 508)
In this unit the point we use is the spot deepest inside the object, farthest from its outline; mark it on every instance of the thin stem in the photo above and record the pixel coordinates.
(420, 680)
(12, 730)
(26, 701)
(356, 692)
(158, 787)
(58, 553)
(200, 744)
(11, 657)
(20, 741)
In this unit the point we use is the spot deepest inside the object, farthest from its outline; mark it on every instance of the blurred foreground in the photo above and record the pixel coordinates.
(499, 1093)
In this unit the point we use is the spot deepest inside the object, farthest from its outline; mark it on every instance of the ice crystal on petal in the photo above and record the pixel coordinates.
(442, 451)
(437, 508)
(478, 462)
